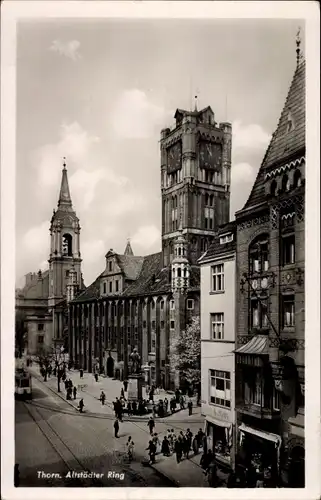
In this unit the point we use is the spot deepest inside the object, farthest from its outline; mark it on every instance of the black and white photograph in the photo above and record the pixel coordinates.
(159, 271)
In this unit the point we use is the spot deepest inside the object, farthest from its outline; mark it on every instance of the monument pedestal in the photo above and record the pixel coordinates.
(135, 386)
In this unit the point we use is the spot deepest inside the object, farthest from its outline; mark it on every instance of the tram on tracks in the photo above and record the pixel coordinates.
(23, 385)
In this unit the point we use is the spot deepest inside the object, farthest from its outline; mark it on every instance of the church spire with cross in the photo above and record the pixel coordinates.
(64, 195)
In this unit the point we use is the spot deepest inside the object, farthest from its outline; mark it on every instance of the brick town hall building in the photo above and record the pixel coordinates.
(144, 302)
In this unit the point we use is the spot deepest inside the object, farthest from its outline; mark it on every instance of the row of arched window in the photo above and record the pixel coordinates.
(286, 183)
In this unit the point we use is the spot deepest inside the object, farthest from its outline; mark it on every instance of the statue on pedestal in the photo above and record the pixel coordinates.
(135, 362)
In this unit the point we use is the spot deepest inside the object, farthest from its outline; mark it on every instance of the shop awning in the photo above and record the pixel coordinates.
(218, 422)
(262, 434)
(258, 346)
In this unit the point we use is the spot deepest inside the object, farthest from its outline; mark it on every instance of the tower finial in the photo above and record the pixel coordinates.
(64, 163)
(298, 46)
(195, 107)
(64, 196)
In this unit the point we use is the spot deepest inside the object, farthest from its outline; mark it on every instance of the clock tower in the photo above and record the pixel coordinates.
(64, 260)
(195, 181)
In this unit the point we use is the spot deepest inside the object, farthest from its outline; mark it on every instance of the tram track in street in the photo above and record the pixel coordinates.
(68, 457)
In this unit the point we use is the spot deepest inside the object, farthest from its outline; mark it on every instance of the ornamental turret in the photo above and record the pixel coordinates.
(180, 264)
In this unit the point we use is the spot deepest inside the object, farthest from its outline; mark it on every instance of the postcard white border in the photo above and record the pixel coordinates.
(13, 11)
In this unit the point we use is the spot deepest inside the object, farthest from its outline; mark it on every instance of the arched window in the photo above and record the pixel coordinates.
(179, 272)
(259, 255)
(67, 245)
(297, 179)
(273, 187)
(179, 251)
(285, 183)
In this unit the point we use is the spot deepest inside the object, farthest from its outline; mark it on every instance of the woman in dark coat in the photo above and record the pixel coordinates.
(165, 447)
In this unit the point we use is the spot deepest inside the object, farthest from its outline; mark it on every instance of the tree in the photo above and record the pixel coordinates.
(21, 331)
(185, 356)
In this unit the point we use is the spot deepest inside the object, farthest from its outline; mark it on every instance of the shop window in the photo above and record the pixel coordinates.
(110, 286)
(218, 278)
(253, 389)
(276, 400)
(259, 310)
(288, 249)
(172, 325)
(288, 311)
(220, 388)
(40, 327)
(40, 339)
(190, 304)
(259, 255)
(217, 329)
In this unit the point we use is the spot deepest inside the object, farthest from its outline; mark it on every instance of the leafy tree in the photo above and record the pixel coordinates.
(185, 356)
(21, 332)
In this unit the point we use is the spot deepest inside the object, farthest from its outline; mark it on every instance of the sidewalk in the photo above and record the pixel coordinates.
(90, 390)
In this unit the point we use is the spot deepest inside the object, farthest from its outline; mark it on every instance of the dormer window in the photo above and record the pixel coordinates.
(110, 266)
(227, 238)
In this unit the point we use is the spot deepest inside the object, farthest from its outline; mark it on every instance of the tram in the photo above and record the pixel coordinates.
(23, 387)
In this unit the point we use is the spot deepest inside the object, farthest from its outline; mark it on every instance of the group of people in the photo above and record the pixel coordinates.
(180, 444)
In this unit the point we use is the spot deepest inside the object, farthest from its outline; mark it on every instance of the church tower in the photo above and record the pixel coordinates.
(195, 180)
(64, 260)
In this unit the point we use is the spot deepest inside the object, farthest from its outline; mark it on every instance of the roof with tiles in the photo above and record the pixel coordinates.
(285, 145)
(152, 279)
(217, 248)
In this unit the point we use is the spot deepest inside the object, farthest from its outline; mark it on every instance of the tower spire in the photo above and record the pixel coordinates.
(64, 196)
(128, 249)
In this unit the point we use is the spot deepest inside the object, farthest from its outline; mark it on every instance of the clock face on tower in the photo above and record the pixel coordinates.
(174, 157)
(210, 155)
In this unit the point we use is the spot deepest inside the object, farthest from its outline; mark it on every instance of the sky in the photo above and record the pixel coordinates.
(98, 92)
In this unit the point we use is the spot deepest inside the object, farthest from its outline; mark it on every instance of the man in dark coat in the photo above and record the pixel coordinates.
(151, 425)
(116, 427)
(178, 449)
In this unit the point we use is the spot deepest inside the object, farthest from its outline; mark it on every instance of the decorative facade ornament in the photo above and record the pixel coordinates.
(256, 221)
(288, 166)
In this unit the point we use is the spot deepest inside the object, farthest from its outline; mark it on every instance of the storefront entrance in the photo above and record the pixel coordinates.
(219, 440)
(297, 468)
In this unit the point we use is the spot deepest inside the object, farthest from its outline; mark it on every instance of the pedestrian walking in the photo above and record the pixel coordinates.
(154, 410)
(96, 377)
(177, 395)
(130, 448)
(122, 394)
(156, 442)
(151, 425)
(81, 372)
(70, 383)
(165, 447)
(182, 402)
(151, 451)
(66, 384)
(190, 407)
(129, 408)
(75, 391)
(116, 427)
(125, 385)
(102, 398)
(81, 405)
(166, 405)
